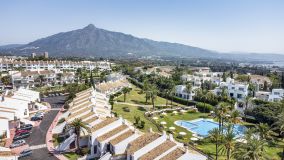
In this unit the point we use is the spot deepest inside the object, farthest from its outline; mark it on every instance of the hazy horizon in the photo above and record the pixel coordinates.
(223, 26)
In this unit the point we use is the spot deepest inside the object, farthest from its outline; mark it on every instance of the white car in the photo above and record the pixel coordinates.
(18, 143)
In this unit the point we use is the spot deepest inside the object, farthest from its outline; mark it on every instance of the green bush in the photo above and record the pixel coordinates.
(61, 120)
(204, 107)
(126, 109)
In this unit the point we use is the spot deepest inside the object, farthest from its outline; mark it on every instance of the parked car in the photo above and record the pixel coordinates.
(39, 114)
(18, 132)
(26, 127)
(36, 118)
(25, 153)
(18, 143)
(21, 136)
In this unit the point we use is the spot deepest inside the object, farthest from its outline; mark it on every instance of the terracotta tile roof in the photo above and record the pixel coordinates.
(8, 108)
(122, 137)
(74, 114)
(3, 118)
(86, 115)
(84, 92)
(81, 105)
(141, 142)
(175, 154)
(154, 153)
(88, 121)
(103, 124)
(112, 133)
(88, 95)
(7, 111)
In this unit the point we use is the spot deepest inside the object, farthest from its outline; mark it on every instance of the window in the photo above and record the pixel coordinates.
(239, 96)
(241, 89)
(95, 149)
(276, 93)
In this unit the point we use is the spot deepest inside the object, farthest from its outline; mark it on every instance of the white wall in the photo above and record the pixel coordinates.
(4, 127)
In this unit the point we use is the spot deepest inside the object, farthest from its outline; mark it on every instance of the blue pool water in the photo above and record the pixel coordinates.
(203, 126)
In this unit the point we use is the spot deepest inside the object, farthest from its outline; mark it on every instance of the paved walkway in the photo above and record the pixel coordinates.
(142, 105)
(49, 141)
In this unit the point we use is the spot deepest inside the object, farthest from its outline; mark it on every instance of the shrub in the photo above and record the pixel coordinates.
(204, 107)
(61, 120)
(126, 109)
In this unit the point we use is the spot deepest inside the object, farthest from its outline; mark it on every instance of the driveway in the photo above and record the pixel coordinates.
(37, 139)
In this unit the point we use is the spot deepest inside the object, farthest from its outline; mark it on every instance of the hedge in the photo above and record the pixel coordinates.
(204, 107)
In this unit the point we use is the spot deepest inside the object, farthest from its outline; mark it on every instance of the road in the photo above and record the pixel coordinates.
(37, 139)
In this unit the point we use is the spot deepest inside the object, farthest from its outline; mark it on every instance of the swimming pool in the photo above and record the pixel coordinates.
(203, 126)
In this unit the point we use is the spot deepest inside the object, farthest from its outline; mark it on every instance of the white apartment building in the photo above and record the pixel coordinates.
(29, 79)
(181, 91)
(197, 78)
(116, 138)
(11, 64)
(112, 87)
(235, 90)
(275, 95)
(5, 129)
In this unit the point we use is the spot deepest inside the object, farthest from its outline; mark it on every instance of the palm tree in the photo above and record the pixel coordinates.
(146, 90)
(78, 124)
(247, 100)
(252, 150)
(279, 125)
(125, 90)
(235, 117)
(111, 101)
(188, 88)
(229, 141)
(264, 131)
(215, 136)
(6, 80)
(153, 94)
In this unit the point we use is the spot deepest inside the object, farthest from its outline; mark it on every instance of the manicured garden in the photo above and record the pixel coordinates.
(136, 96)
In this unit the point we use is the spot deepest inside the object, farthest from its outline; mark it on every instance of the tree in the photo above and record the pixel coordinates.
(235, 117)
(229, 141)
(78, 124)
(6, 80)
(252, 150)
(279, 125)
(265, 86)
(92, 83)
(247, 100)
(125, 90)
(265, 132)
(146, 89)
(215, 137)
(188, 88)
(252, 89)
(111, 101)
(153, 94)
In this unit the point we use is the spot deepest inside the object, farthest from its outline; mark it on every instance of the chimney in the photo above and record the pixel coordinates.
(150, 130)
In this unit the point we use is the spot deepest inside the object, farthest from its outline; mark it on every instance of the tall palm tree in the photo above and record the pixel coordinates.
(188, 88)
(265, 132)
(252, 150)
(154, 92)
(125, 90)
(215, 136)
(279, 125)
(78, 125)
(235, 117)
(247, 100)
(229, 141)
(146, 90)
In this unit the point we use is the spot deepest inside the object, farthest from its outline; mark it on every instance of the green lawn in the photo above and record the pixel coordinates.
(134, 111)
(136, 97)
(170, 118)
(71, 156)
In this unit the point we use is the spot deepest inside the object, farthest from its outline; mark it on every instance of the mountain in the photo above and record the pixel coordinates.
(95, 42)
(9, 46)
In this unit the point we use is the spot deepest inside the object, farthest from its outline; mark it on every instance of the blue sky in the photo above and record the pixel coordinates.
(221, 25)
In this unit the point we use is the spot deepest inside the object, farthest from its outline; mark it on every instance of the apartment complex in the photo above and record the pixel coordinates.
(12, 64)
(114, 137)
